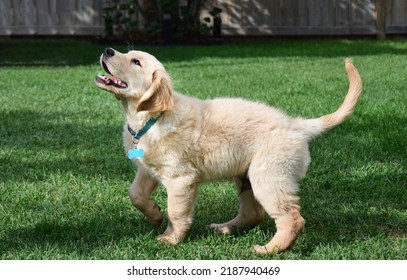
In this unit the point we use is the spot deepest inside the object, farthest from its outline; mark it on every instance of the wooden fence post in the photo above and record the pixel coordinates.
(381, 11)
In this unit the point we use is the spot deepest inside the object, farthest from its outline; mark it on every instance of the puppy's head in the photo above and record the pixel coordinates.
(136, 75)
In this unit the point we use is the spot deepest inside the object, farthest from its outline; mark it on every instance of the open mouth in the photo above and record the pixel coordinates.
(110, 80)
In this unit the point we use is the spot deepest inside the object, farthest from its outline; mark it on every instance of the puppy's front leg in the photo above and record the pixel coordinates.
(140, 194)
(181, 204)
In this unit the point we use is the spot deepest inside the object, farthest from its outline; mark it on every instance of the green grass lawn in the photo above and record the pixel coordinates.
(64, 176)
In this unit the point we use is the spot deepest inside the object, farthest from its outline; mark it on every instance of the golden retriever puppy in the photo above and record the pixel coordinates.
(181, 141)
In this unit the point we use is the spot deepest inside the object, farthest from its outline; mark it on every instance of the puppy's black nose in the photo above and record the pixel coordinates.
(109, 52)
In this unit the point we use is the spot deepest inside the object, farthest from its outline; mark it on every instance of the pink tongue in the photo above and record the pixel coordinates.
(115, 81)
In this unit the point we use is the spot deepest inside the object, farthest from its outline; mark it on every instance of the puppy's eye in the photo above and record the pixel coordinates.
(136, 62)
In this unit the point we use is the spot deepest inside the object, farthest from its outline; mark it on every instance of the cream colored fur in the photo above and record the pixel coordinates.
(195, 141)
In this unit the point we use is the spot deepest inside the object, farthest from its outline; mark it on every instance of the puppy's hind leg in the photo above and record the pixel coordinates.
(250, 214)
(277, 194)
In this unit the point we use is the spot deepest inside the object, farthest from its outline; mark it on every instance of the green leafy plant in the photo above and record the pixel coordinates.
(159, 19)
(120, 18)
(217, 21)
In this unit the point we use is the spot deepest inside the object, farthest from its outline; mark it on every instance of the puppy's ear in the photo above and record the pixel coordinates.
(158, 97)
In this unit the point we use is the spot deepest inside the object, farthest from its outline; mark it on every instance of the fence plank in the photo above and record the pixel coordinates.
(327, 13)
(381, 13)
(302, 13)
(399, 12)
(43, 13)
(275, 7)
(314, 13)
(5, 15)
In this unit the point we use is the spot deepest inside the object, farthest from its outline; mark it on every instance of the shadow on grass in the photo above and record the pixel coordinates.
(54, 53)
(79, 238)
(36, 145)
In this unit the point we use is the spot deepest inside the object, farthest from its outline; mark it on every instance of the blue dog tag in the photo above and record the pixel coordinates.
(135, 153)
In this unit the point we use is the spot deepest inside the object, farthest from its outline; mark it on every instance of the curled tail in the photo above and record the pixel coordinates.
(314, 127)
(346, 109)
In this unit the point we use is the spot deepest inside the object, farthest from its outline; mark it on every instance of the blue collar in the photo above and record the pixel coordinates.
(137, 134)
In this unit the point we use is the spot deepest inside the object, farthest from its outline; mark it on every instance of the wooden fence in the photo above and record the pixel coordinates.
(313, 17)
(241, 17)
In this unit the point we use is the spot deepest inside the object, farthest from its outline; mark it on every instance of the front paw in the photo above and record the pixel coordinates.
(168, 239)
